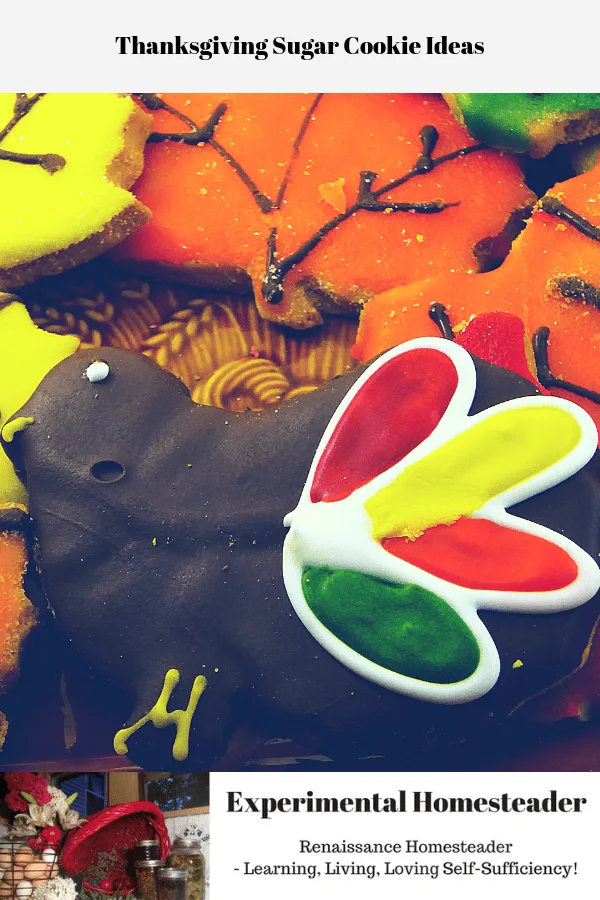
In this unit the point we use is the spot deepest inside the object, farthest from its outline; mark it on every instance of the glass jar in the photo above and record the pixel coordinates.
(145, 876)
(146, 850)
(187, 854)
(172, 884)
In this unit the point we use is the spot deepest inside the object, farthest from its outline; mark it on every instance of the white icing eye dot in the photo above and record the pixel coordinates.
(97, 371)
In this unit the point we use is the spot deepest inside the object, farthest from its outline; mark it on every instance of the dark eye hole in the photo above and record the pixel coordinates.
(107, 471)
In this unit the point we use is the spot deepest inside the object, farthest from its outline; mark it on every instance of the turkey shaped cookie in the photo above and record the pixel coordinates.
(316, 202)
(66, 161)
(550, 280)
(163, 550)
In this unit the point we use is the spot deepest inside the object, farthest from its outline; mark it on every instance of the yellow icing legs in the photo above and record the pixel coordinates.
(160, 717)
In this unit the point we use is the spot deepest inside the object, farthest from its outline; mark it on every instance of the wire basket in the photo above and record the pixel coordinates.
(102, 849)
(23, 869)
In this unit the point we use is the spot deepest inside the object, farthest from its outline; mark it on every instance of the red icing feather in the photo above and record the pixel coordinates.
(395, 410)
(480, 554)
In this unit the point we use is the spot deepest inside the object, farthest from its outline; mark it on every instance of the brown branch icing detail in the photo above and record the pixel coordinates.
(544, 374)
(49, 162)
(367, 199)
(198, 135)
(554, 207)
(296, 150)
(439, 316)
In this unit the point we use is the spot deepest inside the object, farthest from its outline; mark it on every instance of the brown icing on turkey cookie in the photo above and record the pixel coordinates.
(174, 507)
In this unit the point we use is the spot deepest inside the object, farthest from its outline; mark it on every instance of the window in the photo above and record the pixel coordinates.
(174, 791)
(90, 788)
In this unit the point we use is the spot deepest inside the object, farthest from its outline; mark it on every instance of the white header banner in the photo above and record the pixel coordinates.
(270, 46)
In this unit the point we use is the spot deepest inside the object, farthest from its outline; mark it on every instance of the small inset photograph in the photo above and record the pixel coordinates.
(104, 836)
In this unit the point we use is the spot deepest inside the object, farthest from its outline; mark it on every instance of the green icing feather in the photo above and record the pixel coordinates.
(404, 628)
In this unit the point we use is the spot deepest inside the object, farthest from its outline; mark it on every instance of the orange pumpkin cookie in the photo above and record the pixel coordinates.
(66, 161)
(550, 280)
(317, 202)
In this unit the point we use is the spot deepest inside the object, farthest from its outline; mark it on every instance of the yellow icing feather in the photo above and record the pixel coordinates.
(27, 354)
(160, 717)
(42, 213)
(469, 470)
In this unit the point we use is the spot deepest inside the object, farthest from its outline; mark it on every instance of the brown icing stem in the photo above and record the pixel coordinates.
(49, 162)
(272, 289)
(440, 317)
(439, 161)
(23, 104)
(198, 134)
(429, 137)
(554, 207)
(296, 150)
(545, 376)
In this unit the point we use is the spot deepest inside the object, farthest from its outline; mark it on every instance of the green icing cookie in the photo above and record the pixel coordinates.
(585, 155)
(404, 628)
(527, 123)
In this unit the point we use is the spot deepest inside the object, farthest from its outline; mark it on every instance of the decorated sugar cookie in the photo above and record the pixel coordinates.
(17, 613)
(66, 163)
(316, 202)
(550, 280)
(527, 123)
(120, 467)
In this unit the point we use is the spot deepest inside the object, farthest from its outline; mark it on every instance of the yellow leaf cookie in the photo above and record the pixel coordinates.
(66, 161)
